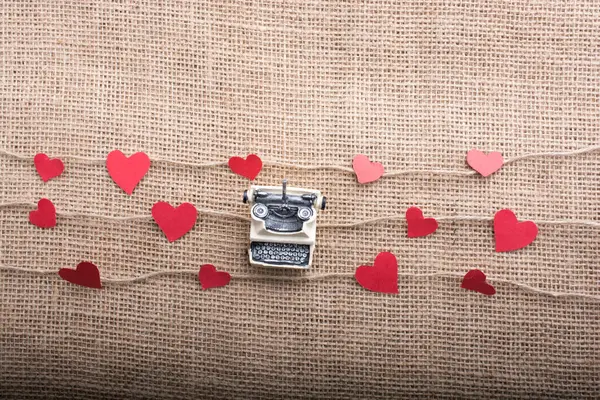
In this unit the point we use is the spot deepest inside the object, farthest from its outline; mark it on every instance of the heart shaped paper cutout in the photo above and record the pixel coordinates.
(382, 277)
(511, 234)
(209, 277)
(174, 222)
(249, 167)
(47, 167)
(417, 225)
(365, 170)
(44, 216)
(485, 164)
(127, 172)
(475, 280)
(85, 274)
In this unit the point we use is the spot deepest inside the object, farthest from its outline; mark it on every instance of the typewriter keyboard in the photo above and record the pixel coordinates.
(280, 253)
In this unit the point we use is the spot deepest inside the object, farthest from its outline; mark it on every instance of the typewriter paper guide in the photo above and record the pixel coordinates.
(284, 227)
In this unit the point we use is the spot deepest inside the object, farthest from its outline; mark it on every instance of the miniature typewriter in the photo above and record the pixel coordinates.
(284, 225)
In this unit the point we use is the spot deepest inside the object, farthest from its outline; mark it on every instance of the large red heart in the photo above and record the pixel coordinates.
(127, 172)
(485, 164)
(417, 225)
(174, 222)
(475, 280)
(365, 170)
(45, 215)
(209, 277)
(382, 277)
(48, 168)
(85, 274)
(249, 167)
(511, 234)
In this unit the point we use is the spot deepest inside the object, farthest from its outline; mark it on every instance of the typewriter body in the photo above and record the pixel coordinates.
(283, 226)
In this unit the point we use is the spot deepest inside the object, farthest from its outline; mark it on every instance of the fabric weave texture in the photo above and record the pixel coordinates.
(411, 84)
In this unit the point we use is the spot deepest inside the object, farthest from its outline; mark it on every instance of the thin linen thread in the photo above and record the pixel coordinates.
(314, 277)
(91, 160)
(350, 224)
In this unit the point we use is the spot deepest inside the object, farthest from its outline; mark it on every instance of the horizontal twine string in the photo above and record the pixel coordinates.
(351, 224)
(313, 277)
(92, 160)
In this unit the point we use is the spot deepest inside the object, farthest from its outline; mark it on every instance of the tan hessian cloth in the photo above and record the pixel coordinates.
(413, 84)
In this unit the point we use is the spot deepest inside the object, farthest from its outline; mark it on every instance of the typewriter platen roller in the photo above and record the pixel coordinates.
(284, 225)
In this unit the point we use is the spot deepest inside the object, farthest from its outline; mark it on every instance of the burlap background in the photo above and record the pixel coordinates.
(413, 84)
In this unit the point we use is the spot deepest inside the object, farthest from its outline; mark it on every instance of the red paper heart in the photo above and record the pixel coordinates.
(475, 280)
(85, 274)
(44, 216)
(127, 172)
(485, 164)
(511, 234)
(382, 277)
(48, 168)
(209, 277)
(365, 170)
(417, 225)
(248, 168)
(174, 222)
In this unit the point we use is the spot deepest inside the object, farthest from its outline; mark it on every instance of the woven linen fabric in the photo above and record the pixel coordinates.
(412, 84)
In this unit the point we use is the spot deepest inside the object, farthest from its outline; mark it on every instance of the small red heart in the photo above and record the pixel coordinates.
(48, 168)
(174, 222)
(127, 172)
(85, 274)
(44, 216)
(209, 277)
(248, 168)
(475, 280)
(417, 225)
(485, 164)
(511, 234)
(382, 277)
(365, 170)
